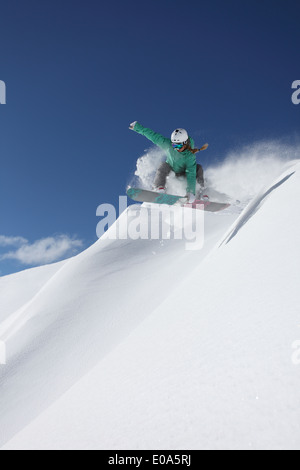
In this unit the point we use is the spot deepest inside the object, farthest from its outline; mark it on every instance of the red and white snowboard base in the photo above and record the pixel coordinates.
(207, 205)
(143, 195)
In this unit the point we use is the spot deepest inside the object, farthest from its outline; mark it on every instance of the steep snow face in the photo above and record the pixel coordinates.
(74, 313)
(18, 289)
(142, 344)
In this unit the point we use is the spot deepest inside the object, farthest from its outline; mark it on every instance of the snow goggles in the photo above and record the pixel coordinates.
(177, 146)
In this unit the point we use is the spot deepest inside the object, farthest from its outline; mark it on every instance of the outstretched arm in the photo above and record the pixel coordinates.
(156, 138)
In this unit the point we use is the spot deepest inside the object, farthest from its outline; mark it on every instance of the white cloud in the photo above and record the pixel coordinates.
(12, 241)
(46, 250)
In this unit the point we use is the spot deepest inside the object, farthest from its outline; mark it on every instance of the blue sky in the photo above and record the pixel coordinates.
(78, 72)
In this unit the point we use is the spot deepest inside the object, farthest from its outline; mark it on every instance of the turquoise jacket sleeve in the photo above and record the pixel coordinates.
(156, 138)
(191, 171)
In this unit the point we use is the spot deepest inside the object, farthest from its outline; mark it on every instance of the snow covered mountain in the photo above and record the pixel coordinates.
(141, 344)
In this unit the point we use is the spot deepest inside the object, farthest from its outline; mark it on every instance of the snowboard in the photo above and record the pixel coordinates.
(144, 195)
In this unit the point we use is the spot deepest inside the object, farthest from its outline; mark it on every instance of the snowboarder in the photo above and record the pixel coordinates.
(180, 158)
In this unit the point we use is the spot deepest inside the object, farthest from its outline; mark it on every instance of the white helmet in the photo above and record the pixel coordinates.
(179, 136)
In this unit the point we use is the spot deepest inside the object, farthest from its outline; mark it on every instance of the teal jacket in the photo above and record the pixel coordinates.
(180, 162)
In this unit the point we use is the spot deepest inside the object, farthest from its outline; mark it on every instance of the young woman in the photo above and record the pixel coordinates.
(180, 158)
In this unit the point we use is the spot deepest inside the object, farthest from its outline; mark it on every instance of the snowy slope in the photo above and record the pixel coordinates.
(84, 309)
(25, 284)
(142, 344)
